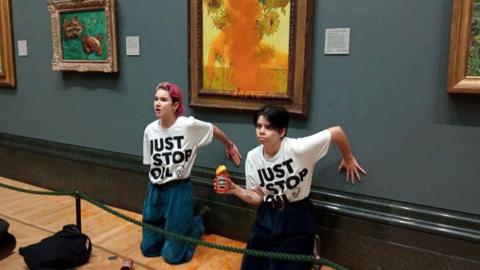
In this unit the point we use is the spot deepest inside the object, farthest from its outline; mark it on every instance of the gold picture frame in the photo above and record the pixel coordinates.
(7, 65)
(242, 67)
(462, 42)
(84, 35)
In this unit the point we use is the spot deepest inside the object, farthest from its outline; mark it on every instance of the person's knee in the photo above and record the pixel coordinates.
(151, 248)
(147, 253)
(171, 257)
(176, 253)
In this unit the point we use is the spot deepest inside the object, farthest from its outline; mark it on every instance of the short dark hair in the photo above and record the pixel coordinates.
(276, 115)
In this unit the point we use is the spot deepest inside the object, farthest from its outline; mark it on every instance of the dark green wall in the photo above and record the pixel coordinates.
(418, 143)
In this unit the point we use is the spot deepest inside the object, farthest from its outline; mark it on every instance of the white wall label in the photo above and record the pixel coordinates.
(133, 45)
(337, 41)
(22, 48)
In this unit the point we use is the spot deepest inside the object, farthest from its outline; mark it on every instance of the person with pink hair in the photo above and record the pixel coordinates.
(170, 146)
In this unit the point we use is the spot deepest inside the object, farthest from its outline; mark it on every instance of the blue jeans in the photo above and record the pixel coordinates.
(170, 208)
(291, 230)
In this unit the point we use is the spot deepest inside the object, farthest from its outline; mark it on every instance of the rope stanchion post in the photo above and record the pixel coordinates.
(78, 210)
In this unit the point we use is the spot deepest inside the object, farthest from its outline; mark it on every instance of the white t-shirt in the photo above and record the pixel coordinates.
(288, 175)
(171, 152)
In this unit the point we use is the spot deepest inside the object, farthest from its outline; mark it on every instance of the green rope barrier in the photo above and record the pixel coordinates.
(38, 192)
(193, 241)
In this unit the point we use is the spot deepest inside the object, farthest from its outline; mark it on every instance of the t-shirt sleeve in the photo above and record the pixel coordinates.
(202, 131)
(146, 149)
(250, 182)
(313, 147)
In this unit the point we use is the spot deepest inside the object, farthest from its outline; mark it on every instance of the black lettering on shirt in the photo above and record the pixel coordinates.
(279, 171)
(293, 181)
(160, 173)
(168, 143)
(270, 187)
(288, 164)
(167, 157)
(188, 153)
(279, 178)
(179, 141)
(178, 157)
(157, 161)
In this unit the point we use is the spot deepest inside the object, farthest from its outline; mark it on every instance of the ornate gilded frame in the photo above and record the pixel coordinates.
(460, 38)
(58, 7)
(299, 65)
(7, 70)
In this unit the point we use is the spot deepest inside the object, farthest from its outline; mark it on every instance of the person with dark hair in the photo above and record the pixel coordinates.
(170, 146)
(278, 178)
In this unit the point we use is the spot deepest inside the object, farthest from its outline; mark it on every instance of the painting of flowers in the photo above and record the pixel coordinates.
(246, 47)
(244, 53)
(84, 35)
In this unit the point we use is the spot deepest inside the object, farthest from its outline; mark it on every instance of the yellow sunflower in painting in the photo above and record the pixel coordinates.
(276, 3)
(221, 20)
(213, 6)
(270, 23)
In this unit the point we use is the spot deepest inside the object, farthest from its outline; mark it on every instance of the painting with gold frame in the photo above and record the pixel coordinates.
(84, 35)
(243, 54)
(464, 59)
(7, 65)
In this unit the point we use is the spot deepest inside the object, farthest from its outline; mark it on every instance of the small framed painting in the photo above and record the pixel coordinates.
(84, 35)
(7, 66)
(464, 59)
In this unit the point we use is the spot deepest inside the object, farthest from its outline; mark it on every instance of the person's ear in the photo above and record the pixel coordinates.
(176, 105)
(283, 132)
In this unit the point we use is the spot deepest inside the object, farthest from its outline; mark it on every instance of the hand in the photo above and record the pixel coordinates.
(231, 186)
(234, 154)
(352, 169)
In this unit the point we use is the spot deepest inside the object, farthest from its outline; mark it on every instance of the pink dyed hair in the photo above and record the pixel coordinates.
(175, 93)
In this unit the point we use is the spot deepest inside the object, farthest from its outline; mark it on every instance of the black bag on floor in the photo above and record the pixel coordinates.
(7, 240)
(67, 248)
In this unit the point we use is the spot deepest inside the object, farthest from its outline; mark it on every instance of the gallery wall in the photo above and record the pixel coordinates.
(418, 143)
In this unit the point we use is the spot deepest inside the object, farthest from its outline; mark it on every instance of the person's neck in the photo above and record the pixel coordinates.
(167, 122)
(270, 151)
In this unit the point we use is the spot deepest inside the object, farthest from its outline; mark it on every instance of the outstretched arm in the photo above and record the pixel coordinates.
(231, 148)
(250, 196)
(352, 168)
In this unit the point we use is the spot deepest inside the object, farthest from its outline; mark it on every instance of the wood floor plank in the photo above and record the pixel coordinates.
(10, 196)
(31, 207)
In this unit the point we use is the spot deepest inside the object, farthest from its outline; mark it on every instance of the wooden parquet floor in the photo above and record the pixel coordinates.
(34, 217)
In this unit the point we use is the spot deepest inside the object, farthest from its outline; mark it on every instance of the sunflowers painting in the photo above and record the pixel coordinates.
(244, 53)
(246, 47)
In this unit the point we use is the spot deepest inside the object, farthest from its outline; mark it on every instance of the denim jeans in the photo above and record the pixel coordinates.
(288, 230)
(170, 208)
